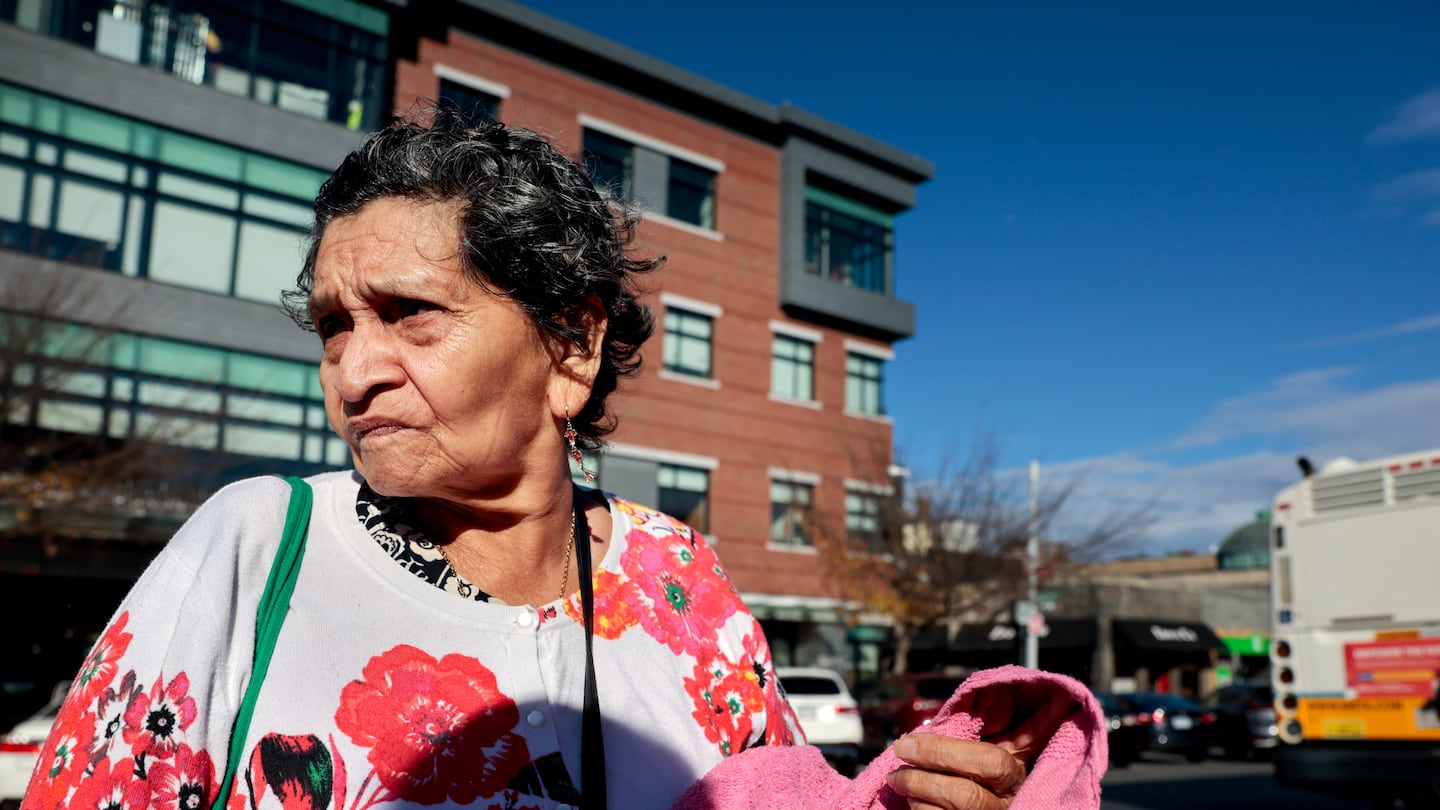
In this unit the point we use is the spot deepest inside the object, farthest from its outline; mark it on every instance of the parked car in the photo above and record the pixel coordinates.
(828, 714)
(1129, 733)
(900, 703)
(1244, 718)
(1177, 725)
(20, 747)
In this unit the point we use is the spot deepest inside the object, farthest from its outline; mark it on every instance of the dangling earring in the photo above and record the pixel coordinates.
(570, 435)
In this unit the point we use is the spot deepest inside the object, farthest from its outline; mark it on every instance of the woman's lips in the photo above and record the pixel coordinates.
(373, 428)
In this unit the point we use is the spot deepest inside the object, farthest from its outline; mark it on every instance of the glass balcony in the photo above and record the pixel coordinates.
(324, 60)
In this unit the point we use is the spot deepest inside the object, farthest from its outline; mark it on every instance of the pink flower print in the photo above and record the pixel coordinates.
(155, 723)
(113, 786)
(103, 662)
(690, 601)
(436, 730)
(186, 781)
(109, 717)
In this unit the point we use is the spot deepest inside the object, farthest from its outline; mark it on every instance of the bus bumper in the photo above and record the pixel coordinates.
(1359, 769)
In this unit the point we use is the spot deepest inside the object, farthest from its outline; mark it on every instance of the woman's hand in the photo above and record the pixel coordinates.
(943, 773)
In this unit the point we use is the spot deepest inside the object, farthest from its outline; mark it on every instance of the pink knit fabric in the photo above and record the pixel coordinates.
(1066, 776)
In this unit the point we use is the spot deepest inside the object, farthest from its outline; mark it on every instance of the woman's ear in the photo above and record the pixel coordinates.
(576, 369)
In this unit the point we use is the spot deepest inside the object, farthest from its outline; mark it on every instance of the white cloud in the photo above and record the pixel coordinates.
(1417, 118)
(1421, 184)
(1412, 326)
(1321, 414)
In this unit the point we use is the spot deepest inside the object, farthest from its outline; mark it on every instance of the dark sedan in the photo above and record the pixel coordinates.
(1177, 725)
(1127, 736)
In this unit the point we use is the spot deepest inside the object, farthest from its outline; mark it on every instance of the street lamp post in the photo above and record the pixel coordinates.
(1032, 562)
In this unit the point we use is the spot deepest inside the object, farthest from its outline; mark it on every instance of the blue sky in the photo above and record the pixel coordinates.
(1168, 246)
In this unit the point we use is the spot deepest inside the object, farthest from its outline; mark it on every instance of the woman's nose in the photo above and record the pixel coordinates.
(366, 366)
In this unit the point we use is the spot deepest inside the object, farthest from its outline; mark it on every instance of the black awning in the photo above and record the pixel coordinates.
(1166, 635)
(1008, 636)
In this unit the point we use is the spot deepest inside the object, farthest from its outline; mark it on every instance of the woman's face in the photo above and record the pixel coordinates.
(440, 388)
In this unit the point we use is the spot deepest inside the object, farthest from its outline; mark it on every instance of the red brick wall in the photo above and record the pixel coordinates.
(737, 424)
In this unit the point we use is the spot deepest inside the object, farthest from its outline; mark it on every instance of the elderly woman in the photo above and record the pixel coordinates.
(468, 628)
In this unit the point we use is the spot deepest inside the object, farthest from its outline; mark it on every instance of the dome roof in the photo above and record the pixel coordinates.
(1249, 545)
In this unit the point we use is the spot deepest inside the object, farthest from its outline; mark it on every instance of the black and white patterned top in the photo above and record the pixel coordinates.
(394, 526)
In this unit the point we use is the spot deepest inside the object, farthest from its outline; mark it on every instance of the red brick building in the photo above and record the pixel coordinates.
(759, 414)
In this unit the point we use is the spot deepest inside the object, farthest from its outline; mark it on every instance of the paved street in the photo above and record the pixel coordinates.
(1161, 783)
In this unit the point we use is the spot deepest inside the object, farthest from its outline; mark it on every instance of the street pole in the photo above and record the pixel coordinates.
(1032, 562)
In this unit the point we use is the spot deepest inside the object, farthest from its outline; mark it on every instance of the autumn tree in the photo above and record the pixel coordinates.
(952, 547)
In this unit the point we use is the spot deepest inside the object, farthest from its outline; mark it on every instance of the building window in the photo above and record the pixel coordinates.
(863, 519)
(169, 392)
(688, 342)
(848, 242)
(98, 189)
(864, 378)
(691, 194)
(611, 163)
(476, 102)
(684, 494)
(644, 172)
(790, 505)
(321, 60)
(792, 369)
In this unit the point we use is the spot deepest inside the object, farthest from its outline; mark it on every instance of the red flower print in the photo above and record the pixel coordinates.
(724, 700)
(155, 723)
(113, 786)
(435, 729)
(615, 597)
(755, 663)
(187, 781)
(103, 661)
(690, 601)
(62, 761)
(109, 717)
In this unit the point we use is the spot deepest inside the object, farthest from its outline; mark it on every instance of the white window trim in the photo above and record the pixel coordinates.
(813, 404)
(639, 139)
(698, 307)
(793, 476)
(692, 379)
(797, 332)
(870, 417)
(868, 488)
(656, 454)
(472, 81)
(680, 225)
(877, 352)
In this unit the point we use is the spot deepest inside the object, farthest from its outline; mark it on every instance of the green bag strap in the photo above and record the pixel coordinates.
(274, 602)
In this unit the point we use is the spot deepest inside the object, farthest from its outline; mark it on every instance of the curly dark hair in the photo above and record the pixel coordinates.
(533, 229)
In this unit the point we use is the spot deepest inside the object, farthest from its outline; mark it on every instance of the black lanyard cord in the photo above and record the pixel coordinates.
(592, 738)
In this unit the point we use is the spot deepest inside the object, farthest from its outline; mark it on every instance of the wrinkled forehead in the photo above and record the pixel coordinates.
(391, 246)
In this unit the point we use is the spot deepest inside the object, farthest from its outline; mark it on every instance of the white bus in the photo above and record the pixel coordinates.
(1355, 649)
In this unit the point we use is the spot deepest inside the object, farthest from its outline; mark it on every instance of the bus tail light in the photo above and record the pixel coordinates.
(1282, 649)
(1287, 675)
(1288, 702)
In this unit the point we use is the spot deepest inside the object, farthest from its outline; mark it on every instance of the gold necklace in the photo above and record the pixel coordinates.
(565, 576)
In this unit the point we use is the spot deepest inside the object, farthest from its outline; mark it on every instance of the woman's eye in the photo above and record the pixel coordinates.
(327, 326)
(406, 307)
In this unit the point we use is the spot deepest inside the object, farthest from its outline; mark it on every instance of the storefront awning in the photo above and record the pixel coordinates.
(1166, 635)
(1007, 635)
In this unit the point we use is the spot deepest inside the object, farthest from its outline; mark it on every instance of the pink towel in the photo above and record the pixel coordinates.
(1066, 776)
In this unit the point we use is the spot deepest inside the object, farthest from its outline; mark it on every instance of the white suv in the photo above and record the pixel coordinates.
(828, 714)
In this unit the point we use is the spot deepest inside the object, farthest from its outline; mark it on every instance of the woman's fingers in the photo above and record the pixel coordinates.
(937, 791)
(945, 769)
